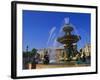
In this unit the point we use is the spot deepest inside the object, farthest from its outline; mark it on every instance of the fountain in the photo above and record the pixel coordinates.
(68, 39)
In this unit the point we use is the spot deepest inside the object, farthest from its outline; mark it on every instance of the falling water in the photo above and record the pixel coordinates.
(66, 19)
(76, 32)
(55, 44)
(51, 50)
(53, 37)
(50, 34)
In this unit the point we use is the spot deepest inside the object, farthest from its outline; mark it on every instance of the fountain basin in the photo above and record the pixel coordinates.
(69, 39)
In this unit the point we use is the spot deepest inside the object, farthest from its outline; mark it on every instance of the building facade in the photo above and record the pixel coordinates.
(86, 50)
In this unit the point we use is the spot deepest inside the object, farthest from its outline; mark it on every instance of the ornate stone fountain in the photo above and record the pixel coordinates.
(68, 39)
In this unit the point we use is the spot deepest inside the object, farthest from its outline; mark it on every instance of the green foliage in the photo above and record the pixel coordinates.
(33, 52)
(30, 53)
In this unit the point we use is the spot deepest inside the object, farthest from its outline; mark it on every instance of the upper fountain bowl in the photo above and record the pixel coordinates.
(67, 28)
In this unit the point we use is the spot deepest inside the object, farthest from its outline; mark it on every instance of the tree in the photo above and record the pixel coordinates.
(33, 52)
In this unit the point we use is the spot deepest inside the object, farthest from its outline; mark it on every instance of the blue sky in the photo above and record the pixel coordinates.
(37, 26)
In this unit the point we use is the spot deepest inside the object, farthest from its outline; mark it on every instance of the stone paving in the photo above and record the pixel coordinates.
(39, 66)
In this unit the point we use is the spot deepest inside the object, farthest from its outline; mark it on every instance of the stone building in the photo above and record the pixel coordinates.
(58, 54)
(86, 50)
